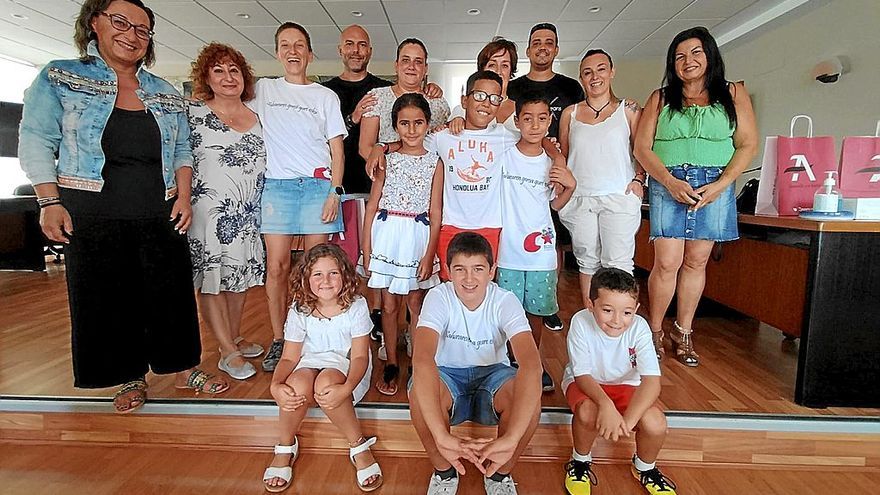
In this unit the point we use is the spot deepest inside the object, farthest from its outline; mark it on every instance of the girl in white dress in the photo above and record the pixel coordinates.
(325, 362)
(401, 226)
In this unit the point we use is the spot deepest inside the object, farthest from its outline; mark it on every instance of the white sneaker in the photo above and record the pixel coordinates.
(242, 372)
(439, 486)
(504, 487)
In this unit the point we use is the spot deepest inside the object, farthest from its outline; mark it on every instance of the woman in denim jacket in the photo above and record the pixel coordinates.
(119, 197)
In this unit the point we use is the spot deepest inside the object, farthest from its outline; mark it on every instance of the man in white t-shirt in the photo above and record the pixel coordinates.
(612, 383)
(461, 371)
(527, 254)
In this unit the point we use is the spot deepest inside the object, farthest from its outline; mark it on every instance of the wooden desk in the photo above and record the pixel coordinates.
(819, 281)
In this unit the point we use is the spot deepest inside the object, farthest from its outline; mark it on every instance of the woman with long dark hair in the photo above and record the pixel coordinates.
(696, 136)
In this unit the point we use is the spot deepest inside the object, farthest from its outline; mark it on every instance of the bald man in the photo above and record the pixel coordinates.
(351, 86)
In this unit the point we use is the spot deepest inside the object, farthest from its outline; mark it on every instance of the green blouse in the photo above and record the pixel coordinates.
(699, 136)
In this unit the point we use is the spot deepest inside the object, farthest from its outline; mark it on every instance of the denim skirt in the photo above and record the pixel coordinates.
(671, 219)
(293, 207)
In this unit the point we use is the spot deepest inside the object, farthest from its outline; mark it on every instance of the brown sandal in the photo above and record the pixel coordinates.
(197, 381)
(683, 344)
(657, 338)
(135, 401)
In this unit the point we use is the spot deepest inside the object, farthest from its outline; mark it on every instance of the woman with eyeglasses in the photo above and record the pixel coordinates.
(119, 198)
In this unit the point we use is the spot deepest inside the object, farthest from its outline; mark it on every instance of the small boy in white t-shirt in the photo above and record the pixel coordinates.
(527, 251)
(461, 371)
(612, 383)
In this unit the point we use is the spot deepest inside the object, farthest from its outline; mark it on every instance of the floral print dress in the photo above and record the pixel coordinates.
(228, 173)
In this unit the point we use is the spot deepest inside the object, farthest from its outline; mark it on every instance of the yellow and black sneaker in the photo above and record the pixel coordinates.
(654, 481)
(579, 477)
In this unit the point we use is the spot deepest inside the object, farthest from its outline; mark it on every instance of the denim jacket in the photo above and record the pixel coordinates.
(66, 109)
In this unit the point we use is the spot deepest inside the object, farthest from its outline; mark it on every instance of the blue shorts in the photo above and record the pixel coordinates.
(294, 206)
(473, 391)
(671, 219)
(535, 289)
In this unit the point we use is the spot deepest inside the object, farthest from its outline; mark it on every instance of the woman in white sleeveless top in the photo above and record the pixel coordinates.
(596, 136)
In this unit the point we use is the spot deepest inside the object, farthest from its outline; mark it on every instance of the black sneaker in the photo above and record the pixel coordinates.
(547, 382)
(273, 356)
(376, 332)
(553, 322)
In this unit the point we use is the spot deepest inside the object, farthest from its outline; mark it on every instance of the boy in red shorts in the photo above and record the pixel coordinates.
(612, 383)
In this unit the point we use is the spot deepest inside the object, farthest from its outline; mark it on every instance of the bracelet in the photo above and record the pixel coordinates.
(639, 181)
(384, 146)
(50, 203)
(48, 199)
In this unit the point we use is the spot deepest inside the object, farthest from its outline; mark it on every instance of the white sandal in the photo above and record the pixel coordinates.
(371, 470)
(285, 472)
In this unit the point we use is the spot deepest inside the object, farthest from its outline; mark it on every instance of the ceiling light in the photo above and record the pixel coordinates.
(20, 17)
(594, 9)
(473, 12)
(242, 15)
(357, 13)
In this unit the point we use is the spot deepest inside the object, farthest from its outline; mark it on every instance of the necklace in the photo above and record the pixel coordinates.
(600, 108)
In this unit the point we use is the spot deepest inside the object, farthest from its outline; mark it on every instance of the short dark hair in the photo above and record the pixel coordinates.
(410, 100)
(531, 97)
(411, 41)
(481, 75)
(613, 279)
(469, 244)
(599, 51)
(293, 25)
(496, 45)
(83, 33)
(543, 25)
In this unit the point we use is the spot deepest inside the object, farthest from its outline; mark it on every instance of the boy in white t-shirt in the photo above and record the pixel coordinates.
(612, 383)
(461, 372)
(527, 254)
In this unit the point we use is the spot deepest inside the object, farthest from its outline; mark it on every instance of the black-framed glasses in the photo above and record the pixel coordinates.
(120, 23)
(481, 96)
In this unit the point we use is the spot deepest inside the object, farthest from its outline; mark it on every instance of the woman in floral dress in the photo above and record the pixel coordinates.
(228, 174)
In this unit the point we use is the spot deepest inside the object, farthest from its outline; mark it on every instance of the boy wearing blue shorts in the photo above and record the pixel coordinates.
(461, 372)
(531, 185)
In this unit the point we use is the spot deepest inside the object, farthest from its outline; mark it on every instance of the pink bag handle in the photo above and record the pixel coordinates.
(809, 125)
(877, 130)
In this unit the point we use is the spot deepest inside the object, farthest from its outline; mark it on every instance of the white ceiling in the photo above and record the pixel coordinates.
(41, 30)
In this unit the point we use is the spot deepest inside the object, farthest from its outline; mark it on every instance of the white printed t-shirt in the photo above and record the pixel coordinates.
(620, 360)
(472, 338)
(298, 121)
(327, 342)
(528, 239)
(472, 163)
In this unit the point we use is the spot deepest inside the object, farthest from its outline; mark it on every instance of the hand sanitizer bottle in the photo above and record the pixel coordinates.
(827, 198)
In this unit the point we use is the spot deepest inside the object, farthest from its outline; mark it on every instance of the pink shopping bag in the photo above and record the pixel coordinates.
(860, 166)
(801, 163)
(352, 220)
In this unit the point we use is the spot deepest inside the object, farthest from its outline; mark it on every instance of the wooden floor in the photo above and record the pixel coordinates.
(35, 469)
(746, 366)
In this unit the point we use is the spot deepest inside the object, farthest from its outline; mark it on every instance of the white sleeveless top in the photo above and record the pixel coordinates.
(599, 155)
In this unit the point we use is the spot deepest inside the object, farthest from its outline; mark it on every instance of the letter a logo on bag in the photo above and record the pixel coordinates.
(874, 171)
(800, 165)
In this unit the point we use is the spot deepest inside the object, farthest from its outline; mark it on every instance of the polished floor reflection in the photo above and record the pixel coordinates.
(746, 366)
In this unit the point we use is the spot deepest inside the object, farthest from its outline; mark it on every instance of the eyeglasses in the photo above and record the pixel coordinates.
(481, 96)
(120, 23)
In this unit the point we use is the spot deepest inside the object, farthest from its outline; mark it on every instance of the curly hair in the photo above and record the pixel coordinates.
(217, 53)
(83, 33)
(302, 297)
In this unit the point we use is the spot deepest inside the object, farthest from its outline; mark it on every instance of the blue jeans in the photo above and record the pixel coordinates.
(671, 219)
(473, 391)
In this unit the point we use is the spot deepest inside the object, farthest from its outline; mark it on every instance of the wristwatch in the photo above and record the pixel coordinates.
(349, 122)
(338, 190)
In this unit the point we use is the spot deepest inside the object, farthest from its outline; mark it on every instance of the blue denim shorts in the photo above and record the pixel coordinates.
(473, 391)
(535, 289)
(294, 206)
(671, 219)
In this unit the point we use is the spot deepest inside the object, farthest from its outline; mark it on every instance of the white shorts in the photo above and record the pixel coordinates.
(603, 230)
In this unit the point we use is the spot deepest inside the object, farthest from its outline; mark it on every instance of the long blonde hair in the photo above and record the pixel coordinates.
(302, 297)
